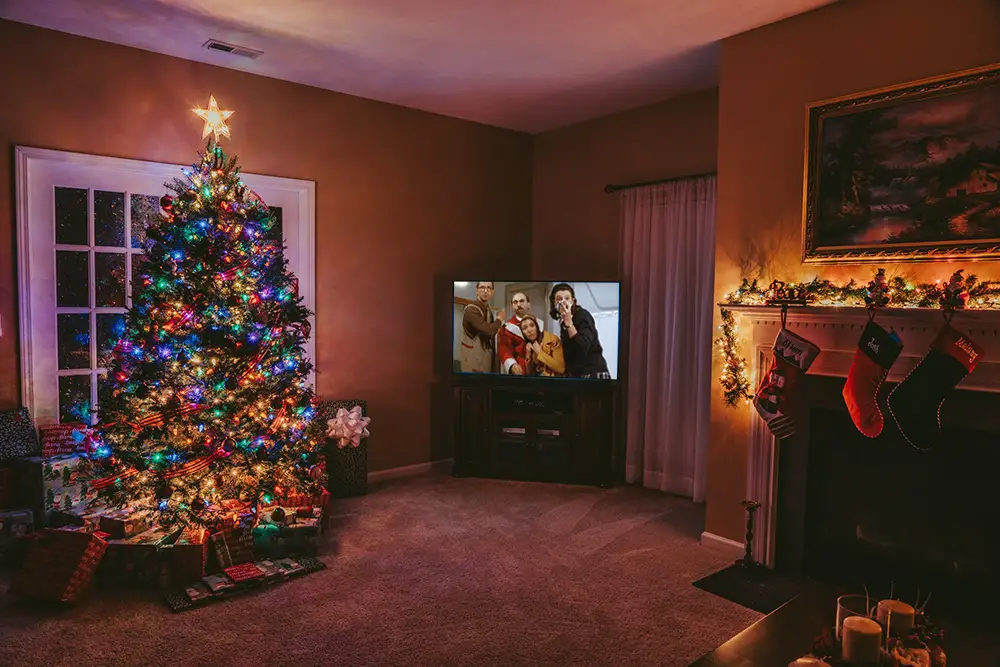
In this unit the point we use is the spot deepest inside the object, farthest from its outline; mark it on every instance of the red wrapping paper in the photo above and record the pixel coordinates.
(59, 567)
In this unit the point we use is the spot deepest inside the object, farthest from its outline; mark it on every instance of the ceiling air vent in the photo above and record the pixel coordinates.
(216, 45)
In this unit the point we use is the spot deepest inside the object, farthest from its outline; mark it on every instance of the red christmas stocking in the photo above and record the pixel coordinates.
(915, 403)
(776, 399)
(877, 351)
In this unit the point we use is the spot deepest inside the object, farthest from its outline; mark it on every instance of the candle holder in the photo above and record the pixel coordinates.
(748, 562)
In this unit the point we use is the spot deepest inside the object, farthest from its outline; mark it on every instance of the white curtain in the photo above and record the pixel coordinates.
(668, 244)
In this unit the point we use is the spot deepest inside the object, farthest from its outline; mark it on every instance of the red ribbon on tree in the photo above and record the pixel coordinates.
(160, 418)
(229, 274)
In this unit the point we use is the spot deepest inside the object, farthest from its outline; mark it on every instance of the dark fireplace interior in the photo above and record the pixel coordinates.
(878, 513)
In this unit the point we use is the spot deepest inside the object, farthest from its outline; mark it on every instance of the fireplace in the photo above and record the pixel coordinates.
(876, 512)
(841, 507)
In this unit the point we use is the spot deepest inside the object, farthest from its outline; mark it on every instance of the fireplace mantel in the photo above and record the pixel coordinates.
(836, 330)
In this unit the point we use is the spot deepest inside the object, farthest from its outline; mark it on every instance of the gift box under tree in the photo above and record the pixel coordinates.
(346, 462)
(59, 566)
(17, 434)
(48, 485)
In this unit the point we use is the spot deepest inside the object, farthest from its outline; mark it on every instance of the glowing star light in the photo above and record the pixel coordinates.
(215, 119)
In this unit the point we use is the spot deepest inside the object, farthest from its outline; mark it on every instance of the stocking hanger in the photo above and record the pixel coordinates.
(778, 294)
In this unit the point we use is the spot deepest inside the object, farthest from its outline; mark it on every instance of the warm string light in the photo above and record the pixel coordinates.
(735, 384)
(958, 292)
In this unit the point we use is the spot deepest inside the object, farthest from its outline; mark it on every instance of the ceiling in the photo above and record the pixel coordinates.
(528, 65)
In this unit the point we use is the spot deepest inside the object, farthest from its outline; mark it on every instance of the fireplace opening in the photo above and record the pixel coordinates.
(881, 514)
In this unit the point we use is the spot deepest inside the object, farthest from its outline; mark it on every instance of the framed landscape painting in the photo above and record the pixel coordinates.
(910, 172)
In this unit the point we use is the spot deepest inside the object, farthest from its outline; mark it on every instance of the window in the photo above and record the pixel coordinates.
(81, 224)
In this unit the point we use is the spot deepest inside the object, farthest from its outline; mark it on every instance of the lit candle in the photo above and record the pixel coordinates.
(895, 615)
(861, 638)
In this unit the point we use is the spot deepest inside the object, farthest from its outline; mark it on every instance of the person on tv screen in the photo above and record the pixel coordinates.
(582, 347)
(543, 350)
(479, 328)
(511, 348)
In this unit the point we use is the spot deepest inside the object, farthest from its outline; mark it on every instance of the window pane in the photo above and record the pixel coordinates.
(103, 392)
(275, 233)
(145, 211)
(72, 278)
(74, 340)
(109, 218)
(109, 273)
(138, 282)
(71, 216)
(110, 327)
(74, 398)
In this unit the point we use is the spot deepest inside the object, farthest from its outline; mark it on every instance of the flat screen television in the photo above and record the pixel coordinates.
(537, 328)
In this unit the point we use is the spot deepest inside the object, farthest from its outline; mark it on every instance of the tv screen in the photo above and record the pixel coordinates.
(542, 329)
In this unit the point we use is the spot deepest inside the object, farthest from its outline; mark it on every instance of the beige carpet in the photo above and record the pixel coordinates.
(436, 571)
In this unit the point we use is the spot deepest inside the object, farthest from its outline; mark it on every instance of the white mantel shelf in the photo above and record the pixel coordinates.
(836, 330)
(972, 316)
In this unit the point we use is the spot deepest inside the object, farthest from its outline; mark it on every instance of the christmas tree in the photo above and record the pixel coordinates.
(207, 396)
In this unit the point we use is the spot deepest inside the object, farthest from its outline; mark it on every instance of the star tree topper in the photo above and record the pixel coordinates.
(215, 119)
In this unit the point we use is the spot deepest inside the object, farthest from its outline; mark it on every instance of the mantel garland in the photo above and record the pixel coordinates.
(959, 292)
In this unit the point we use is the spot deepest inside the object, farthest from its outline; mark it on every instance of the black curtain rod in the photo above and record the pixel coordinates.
(628, 186)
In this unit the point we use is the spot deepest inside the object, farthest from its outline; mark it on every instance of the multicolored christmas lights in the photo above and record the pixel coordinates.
(207, 396)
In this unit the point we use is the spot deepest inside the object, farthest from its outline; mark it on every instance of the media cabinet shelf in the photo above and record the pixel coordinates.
(538, 429)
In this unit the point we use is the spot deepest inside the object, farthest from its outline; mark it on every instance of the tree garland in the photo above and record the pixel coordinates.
(959, 292)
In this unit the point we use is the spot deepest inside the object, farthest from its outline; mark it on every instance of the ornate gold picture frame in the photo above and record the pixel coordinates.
(910, 172)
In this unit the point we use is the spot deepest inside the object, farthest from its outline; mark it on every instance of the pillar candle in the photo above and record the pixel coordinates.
(901, 618)
(861, 639)
(808, 661)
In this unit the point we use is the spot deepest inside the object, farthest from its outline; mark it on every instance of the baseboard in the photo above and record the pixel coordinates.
(723, 544)
(442, 466)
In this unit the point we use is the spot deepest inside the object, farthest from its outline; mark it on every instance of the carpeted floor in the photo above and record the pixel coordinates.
(436, 571)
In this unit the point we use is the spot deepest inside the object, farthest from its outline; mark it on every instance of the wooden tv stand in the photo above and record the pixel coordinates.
(538, 429)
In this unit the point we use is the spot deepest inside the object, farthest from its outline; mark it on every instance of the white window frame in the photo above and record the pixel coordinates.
(38, 171)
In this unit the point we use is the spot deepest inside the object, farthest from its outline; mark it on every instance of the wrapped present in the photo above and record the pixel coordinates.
(188, 555)
(219, 584)
(270, 571)
(279, 515)
(223, 558)
(8, 493)
(346, 466)
(246, 573)
(301, 537)
(281, 540)
(137, 561)
(305, 503)
(59, 567)
(8, 485)
(53, 484)
(15, 525)
(265, 540)
(197, 592)
(17, 434)
(125, 523)
(290, 567)
(59, 439)
(86, 515)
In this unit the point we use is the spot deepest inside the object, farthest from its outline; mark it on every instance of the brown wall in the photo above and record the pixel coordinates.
(575, 222)
(767, 78)
(400, 185)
